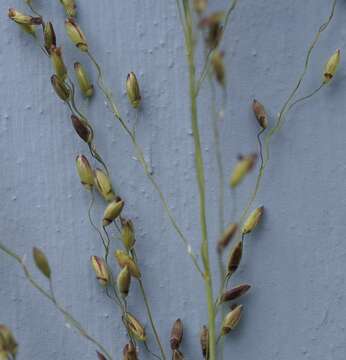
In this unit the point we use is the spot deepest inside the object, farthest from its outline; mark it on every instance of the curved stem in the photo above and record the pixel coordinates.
(50, 296)
(284, 110)
(260, 146)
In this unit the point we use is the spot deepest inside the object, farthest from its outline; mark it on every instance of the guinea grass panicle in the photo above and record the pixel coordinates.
(211, 27)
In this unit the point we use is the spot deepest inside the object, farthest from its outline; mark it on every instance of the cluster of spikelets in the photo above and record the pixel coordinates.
(99, 179)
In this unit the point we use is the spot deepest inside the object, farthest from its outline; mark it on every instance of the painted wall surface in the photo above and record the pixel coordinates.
(296, 260)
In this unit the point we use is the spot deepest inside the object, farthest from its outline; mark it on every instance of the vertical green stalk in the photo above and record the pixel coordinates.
(190, 52)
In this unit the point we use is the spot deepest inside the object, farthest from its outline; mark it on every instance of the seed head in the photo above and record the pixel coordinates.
(235, 258)
(130, 352)
(231, 320)
(133, 91)
(128, 234)
(331, 67)
(124, 281)
(242, 168)
(235, 293)
(253, 220)
(8, 344)
(260, 113)
(41, 262)
(49, 36)
(101, 270)
(135, 327)
(85, 172)
(112, 211)
(124, 260)
(76, 35)
(60, 88)
(86, 87)
(176, 334)
(82, 129)
(103, 185)
(58, 63)
(219, 67)
(23, 19)
(226, 237)
(204, 340)
(70, 7)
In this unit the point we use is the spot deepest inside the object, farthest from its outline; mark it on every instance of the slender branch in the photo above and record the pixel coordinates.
(150, 316)
(50, 296)
(285, 109)
(149, 312)
(221, 179)
(200, 175)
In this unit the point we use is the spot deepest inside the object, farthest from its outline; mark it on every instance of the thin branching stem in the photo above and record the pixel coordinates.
(50, 296)
(148, 308)
(286, 108)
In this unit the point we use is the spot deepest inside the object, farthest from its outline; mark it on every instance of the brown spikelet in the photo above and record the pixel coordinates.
(260, 113)
(226, 237)
(235, 258)
(81, 129)
(176, 334)
(130, 352)
(235, 292)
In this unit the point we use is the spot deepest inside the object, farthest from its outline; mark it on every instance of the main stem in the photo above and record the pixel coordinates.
(190, 49)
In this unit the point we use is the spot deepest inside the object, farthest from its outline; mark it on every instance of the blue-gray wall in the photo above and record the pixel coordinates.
(296, 261)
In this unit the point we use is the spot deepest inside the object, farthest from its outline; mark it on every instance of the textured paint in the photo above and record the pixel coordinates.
(296, 260)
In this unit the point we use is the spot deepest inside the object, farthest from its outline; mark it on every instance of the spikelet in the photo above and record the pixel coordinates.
(331, 67)
(231, 320)
(135, 327)
(101, 270)
(124, 281)
(235, 293)
(41, 262)
(252, 220)
(112, 211)
(176, 334)
(235, 258)
(124, 260)
(133, 91)
(226, 237)
(242, 168)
